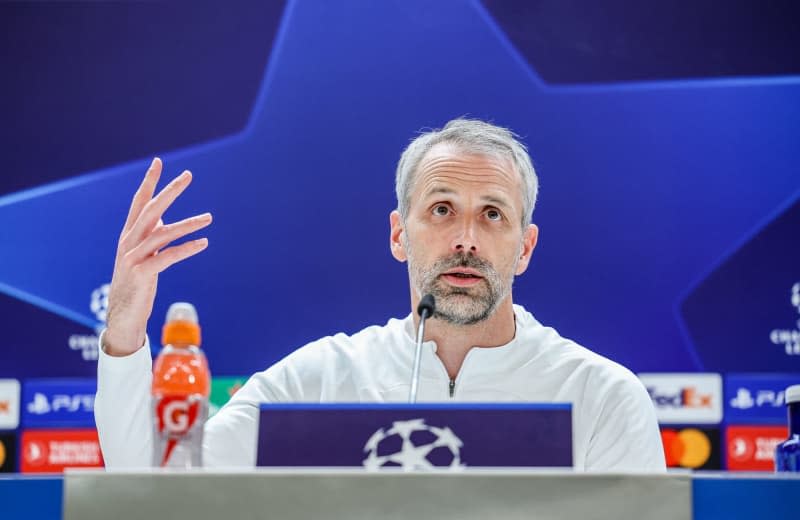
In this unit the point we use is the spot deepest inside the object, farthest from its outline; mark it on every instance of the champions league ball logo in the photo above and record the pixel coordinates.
(88, 343)
(99, 302)
(413, 445)
(790, 339)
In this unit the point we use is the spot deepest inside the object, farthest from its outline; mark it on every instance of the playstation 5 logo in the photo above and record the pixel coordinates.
(61, 403)
(58, 402)
(40, 404)
(790, 339)
(744, 399)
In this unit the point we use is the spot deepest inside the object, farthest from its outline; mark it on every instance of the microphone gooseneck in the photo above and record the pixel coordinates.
(425, 309)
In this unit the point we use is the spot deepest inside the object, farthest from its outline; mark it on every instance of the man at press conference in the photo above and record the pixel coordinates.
(465, 199)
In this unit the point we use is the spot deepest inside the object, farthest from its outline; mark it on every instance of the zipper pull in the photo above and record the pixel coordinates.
(452, 387)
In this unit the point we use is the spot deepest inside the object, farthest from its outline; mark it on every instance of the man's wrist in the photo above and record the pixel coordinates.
(108, 343)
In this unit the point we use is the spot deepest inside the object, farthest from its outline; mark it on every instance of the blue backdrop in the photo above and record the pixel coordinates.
(666, 141)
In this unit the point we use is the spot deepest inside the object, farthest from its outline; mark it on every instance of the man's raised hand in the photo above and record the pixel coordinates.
(142, 254)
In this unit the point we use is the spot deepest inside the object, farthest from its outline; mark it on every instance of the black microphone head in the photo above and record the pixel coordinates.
(426, 304)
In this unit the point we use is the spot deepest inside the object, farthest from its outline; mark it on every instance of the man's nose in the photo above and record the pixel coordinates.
(465, 239)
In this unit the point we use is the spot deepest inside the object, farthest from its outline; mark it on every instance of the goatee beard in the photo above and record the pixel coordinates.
(462, 305)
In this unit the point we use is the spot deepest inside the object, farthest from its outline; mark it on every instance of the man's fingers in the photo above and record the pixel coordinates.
(156, 207)
(144, 193)
(173, 255)
(163, 235)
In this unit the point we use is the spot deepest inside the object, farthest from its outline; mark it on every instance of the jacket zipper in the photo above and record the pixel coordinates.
(452, 387)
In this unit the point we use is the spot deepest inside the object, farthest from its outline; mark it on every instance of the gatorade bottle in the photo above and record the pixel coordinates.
(787, 453)
(181, 385)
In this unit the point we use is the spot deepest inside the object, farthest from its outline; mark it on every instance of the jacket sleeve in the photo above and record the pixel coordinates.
(124, 417)
(626, 438)
(230, 437)
(122, 408)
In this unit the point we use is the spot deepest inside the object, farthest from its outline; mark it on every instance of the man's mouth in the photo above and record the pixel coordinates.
(462, 277)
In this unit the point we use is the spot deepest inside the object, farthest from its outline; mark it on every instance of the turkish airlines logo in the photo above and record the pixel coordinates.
(49, 451)
(685, 398)
(752, 448)
(36, 453)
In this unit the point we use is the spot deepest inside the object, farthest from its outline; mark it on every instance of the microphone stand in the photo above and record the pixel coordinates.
(425, 310)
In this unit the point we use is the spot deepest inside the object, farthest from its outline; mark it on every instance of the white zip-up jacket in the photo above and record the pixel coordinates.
(614, 422)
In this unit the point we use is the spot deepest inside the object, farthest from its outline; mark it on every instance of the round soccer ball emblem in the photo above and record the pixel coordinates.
(99, 302)
(413, 445)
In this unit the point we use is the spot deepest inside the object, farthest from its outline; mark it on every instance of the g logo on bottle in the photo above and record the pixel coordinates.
(177, 414)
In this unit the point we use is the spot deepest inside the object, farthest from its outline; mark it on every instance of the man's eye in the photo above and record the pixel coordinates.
(493, 214)
(441, 211)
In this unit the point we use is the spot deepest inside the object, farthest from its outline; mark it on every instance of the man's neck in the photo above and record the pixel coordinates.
(453, 342)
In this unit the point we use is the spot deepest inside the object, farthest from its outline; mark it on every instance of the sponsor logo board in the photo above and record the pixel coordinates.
(685, 398)
(8, 452)
(222, 389)
(58, 402)
(692, 447)
(752, 448)
(757, 398)
(9, 404)
(51, 451)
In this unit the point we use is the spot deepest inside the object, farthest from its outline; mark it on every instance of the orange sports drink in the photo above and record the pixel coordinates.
(181, 386)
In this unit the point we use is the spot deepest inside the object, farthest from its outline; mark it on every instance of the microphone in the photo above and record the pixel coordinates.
(425, 309)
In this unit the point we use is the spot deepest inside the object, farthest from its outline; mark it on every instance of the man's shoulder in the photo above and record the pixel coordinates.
(567, 355)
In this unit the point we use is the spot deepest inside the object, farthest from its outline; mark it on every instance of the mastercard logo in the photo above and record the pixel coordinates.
(2, 453)
(687, 448)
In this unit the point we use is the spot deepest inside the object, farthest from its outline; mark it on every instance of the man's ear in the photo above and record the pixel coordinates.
(396, 230)
(529, 240)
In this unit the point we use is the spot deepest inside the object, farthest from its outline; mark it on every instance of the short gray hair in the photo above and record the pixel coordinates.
(471, 136)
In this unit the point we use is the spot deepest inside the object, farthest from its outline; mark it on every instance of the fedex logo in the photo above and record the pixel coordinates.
(59, 402)
(685, 398)
(9, 404)
(757, 398)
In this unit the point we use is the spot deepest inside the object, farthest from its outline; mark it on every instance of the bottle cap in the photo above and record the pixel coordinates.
(181, 328)
(793, 394)
(182, 311)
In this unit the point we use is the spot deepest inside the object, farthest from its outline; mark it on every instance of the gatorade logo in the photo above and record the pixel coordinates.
(692, 448)
(177, 414)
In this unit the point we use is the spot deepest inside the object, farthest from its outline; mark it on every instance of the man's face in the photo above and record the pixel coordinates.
(463, 236)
